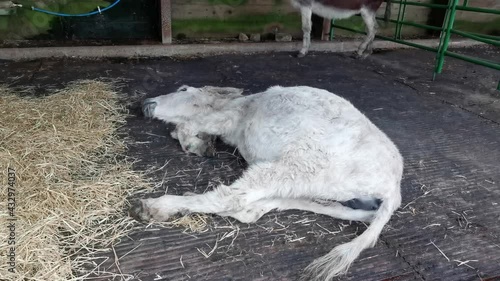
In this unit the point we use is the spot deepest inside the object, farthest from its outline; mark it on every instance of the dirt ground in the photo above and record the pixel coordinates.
(448, 131)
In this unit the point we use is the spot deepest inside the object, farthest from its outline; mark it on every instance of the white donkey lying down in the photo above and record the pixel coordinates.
(305, 148)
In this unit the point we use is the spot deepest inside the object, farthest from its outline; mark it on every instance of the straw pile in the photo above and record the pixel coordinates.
(71, 180)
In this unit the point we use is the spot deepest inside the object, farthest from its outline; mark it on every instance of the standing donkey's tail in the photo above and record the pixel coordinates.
(338, 260)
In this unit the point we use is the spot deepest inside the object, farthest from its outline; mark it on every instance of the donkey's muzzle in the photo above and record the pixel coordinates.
(148, 107)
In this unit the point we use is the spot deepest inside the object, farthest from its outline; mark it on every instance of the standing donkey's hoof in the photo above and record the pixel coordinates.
(358, 56)
(363, 56)
(354, 55)
(301, 55)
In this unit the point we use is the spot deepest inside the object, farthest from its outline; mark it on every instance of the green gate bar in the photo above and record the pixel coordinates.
(446, 36)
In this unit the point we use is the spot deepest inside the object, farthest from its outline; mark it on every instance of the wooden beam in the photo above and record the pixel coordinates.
(325, 34)
(166, 21)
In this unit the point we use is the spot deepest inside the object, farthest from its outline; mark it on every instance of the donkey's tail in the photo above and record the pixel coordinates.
(338, 260)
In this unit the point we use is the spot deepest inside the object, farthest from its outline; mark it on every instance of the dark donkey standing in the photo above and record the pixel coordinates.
(341, 9)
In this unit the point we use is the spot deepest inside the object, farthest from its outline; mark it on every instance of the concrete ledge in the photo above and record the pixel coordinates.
(202, 49)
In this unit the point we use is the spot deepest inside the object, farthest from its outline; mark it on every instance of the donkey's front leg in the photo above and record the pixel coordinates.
(257, 183)
(198, 134)
(175, 134)
(221, 199)
(198, 143)
(306, 14)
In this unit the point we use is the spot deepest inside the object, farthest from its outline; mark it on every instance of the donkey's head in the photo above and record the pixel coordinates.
(180, 106)
(188, 101)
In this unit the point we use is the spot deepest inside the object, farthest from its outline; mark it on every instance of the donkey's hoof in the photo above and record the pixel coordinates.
(361, 56)
(174, 134)
(364, 56)
(301, 55)
(139, 211)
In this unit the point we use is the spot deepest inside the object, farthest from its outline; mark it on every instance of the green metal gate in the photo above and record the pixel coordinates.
(446, 30)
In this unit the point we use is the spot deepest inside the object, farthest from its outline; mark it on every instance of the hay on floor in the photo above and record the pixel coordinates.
(71, 180)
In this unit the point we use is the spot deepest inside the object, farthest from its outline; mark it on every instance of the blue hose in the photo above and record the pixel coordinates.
(76, 15)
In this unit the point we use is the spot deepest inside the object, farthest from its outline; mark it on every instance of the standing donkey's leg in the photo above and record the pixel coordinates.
(365, 49)
(306, 14)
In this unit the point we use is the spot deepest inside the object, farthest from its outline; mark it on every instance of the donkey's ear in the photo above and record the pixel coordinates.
(224, 91)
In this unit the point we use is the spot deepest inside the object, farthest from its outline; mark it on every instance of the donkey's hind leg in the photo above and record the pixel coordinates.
(256, 210)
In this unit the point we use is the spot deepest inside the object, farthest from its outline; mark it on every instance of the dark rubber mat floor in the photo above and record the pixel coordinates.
(448, 227)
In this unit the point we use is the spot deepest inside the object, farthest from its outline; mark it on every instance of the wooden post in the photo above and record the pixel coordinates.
(325, 34)
(166, 21)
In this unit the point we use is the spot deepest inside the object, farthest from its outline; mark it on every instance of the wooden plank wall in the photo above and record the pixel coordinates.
(227, 18)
